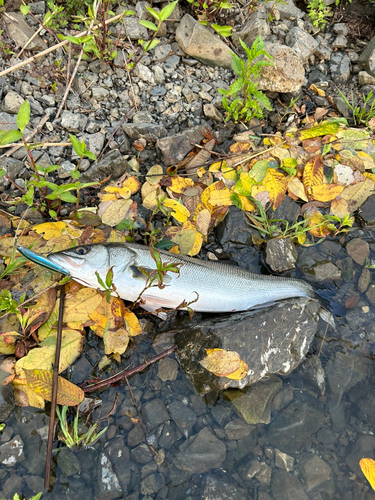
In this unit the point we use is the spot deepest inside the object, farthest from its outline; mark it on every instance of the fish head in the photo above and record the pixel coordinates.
(82, 262)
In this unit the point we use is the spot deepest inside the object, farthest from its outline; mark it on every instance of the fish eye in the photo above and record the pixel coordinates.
(81, 250)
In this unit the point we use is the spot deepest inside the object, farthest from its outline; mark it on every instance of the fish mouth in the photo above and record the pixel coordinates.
(43, 260)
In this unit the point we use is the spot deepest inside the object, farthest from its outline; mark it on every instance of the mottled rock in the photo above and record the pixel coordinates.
(154, 413)
(235, 231)
(133, 29)
(213, 113)
(182, 415)
(367, 210)
(152, 484)
(340, 42)
(365, 79)
(300, 41)
(151, 132)
(12, 452)
(112, 163)
(144, 73)
(339, 65)
(237, 429)
(73, 122)
(281, 255)
(258, 335)
(167, 369)
(364, 280)
(201, 453)
(314, 471)
(370, 294)
(99, 93)
(286, 10)
(312, 371)
(255, 26)
(66, 169)
(220, 489)
(12, 102)
(286, 74)
(21, 33)
(107, 481)
(285, 486)
(366, 60)
(68, 462)
(358, 250)
(362, 447)
(284, 461)
(321, 271)
(344, 371)
(174, 148)
(12, 166)
(200, 43)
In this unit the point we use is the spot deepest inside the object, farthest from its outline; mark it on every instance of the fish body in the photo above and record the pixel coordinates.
(210, 286)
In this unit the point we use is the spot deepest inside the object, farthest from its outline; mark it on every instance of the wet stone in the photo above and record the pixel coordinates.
(364, 280)
(289, 210)
(314, 471)
(183, 416)
(255, 406)
(345, 371)
(367, 210)
(286, 432)
(141, 454)
(68, 462)
(285, 486)
(167, 369)
(136, 436)
(321, 271)
(284, 461)
(154, 414)
(219, 489)
(370, 294)
(312, 371)
(107, 481)
(168, 436)
(281, 255)
(358, 250)
(200, 453)
(13, 485)
(152, 484)
(363, 446)
(12, 452)
(234, 232)
(237, 429)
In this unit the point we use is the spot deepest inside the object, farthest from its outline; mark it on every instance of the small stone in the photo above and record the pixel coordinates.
(340, 42)
(21, 33)
(365, 309)
(366, 60)
(255, 26)
(68, 462)
(152, 484)
(367, 210)
(285, 486)
(260, 470)
(133, 29)
(183, 416)
(284, 461)
(99, 93)
(12, 452)
(141, 454)
(314, 471)
(300, 41)
(364, 280)
(107, 480)
(286, 10)
(161, 52)
(345, 371)
(112, 163)
(340, 28)
(358, 250)
(218, 489)
(158, 74)
(154, 413)
(73, 122)
(213, 113)
(340, 67)
(205, 96)
(365, 79)
(281, 255)
(167, 369)
(144, 73)
(12, 102)
(370, 294)
(174, 148)
(66, 169)
(237, 429)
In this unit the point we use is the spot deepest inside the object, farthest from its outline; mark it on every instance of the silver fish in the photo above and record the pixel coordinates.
(215, 287)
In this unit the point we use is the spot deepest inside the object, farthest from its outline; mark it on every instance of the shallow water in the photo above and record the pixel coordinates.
(310, 449)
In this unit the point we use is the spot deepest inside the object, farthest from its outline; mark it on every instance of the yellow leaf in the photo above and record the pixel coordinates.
(155, 174)
(132, 323)
(116, 237)
(317, 223)
(150, 201)
(179, 212)
(116, 342)
(367, 466)
(99, 319)
(203, 221)
(40, 381)
(116, 212)
(275, 183)
(198, 239)
(24, 395)
(339, 208)
(325, 128)
(357, 194)
(301, 238)
(240, 147)
(124, 192)
(326, 192)
(175, 249)
(82, 304)
(317, 90)
(369, 176)
(50, 229)
(246, 181)
(132, 183)
(8, 342)
(215, 167)
(221, 362)
(240, 373)
(296, 187)
(246, 205)
(313, 174)
(185, 240)
(48, 327)
(220, 196)
(179, 184)
(229, 173)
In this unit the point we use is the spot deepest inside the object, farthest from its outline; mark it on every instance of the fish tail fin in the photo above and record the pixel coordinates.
(326, 298)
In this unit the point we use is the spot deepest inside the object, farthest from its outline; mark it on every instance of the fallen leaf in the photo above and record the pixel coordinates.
(40, 381)
(203, 221)
(343, 174)
(132, 324)
(221, 362)
(312, 145)
(240, 147)
(317, 90)
(180, 184)
(8, 342)
(339, 208)
(240, 373)
(116, 212)
(116, 342)
(24, 395)
(154, 175)
(81, 305)
(185, 240)
(367, 466)
(275, 183)
(296, 187)
(151, 200)
(325, 128)
(326, 192)
(357, 194)
(50, 229)
(318, 224)
(313, 174)
(179, 212)
(123, 192)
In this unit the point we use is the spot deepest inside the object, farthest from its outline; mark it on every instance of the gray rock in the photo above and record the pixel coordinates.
(182, 415)
(73, 122)
(158, 74)
(38, 7)
(167, 369)
(198, 42)
(141, 454)
(213, 113)
(314, 471)
(48, 99)
(13, 485)
(238, 429)
(136, 436)
(340, 42)
(345, 371)
(342, 107)
(253, 334)
(257, 469)
(340, 28)
(12, 452)
(287, 73)
(284, 461)
(321, 271)
(359, 250)
(6, 399)
(200, 453)
(339, 65)
(107, 481)
(94, 143)
(365, 79)
(161, 52)
(287, 10)
(367, 210)
(21, 33)
(221, 489)
(255, 26)
(151, 132)
(152, 484)
(99, 93)
(285, 486)
(235, 232)
(171, 64)
(68, 462)
(133, 29)
(323, 51)
(364, 280)
(144, 73)
(362, 447)
(174, 148)
(288, 210)
(255, 406)
(66, 169)
(12, 102)
(366, 60)
(302, 418)
(281, 255)
(303, 43)
(112, 163)
(12, 166)
(154, 413)
(142, 12)
(370, 294)
(311, 369)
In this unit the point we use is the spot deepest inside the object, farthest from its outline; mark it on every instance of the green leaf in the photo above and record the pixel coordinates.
(109, 278)
(73, 39)
(77, 146)
(224, 31)
(153, 12)
(225, 5)
(2, 172)
(23, 116)
(11, 136)
(149, 25)
(150, 45)
(68, 197)
(167, 10)
(25, 9)
(75, 174)
(90, 155)
(237, 64)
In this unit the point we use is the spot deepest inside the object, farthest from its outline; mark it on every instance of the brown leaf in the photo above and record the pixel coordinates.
(140, 144)
(312, 145)
(351, 302)
(313, 174)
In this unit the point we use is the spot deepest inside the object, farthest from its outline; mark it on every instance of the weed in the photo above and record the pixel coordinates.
(248, 102)
(35, 497)
(206, 11)
(318, 11)
(362, 114)
(108, 286)
(70, 435)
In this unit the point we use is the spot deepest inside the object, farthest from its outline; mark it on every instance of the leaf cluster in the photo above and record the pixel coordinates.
(207, 10)
(70, 434)
(318, 12)
(246, 101)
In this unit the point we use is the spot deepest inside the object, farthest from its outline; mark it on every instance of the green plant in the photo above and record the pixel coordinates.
(318, 11)
(362, 114)
(13, 265)
(35, 497)
(206, 11)
(70, 434)
(248, 102)
(8, 304)
(108, 286)
(50, 195)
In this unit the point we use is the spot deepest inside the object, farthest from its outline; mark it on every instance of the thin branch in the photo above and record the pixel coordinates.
(51, 426)
(127, 373)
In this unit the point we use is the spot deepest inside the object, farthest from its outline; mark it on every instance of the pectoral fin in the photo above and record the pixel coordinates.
(152, 303)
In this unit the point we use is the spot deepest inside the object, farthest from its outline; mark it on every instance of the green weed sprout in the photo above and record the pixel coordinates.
(71, 436)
